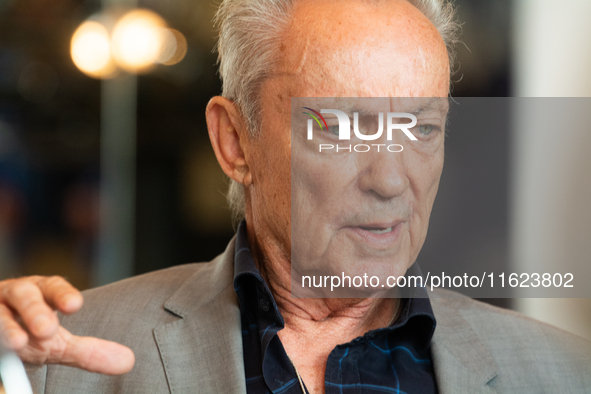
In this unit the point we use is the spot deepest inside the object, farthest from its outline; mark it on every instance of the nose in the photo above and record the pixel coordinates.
(383, 173)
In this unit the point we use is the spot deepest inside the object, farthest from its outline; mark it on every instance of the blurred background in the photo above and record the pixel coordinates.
(103, 179)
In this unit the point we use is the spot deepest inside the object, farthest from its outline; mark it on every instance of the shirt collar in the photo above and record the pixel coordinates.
(247, 278)
(415, 310)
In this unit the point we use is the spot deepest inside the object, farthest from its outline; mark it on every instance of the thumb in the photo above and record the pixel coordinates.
(95, 355)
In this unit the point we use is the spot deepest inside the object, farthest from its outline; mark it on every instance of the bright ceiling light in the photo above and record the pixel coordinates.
(135, 43)
(137, 40)
(91, 52)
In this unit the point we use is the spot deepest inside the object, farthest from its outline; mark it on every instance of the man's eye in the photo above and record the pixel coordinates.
(426, 129)
(333, 129)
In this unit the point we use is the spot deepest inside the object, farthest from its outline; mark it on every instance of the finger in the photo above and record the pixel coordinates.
(27, 301)
(12, 334)
(98, 355)
(60, 294)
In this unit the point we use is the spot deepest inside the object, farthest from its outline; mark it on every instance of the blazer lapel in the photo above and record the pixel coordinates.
(461, 361)
(202, 350)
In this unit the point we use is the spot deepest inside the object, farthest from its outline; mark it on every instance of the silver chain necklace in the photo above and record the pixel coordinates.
(298, 375)
(296, 370)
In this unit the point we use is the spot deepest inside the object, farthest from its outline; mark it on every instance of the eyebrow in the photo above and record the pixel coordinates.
(426, 105)
(433, 104)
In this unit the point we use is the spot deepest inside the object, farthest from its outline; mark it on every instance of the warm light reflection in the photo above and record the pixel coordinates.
(91, 52)
(174, 47)
(137, 40)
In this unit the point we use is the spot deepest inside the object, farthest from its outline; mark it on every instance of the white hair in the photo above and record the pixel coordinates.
(248, 43)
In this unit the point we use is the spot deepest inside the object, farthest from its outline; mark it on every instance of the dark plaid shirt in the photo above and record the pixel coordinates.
(395, 359)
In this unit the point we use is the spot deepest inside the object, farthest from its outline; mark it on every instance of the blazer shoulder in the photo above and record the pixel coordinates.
(155, 283)
(140, 298)
(492, 319)
(523, 348)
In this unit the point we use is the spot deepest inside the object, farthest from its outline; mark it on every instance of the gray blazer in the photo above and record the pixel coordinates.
(183, 324)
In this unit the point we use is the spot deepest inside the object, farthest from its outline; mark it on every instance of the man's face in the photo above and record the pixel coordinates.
(386, 49)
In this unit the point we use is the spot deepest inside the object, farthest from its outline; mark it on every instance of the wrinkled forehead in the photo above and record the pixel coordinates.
(376, 105)
(362, 49)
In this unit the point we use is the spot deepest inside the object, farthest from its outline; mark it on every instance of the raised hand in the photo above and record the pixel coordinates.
(29, 325)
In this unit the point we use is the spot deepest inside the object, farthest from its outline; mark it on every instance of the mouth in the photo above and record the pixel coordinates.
(377, 230)
(378, 234)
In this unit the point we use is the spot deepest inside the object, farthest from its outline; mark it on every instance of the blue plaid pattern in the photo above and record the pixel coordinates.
(395, 359)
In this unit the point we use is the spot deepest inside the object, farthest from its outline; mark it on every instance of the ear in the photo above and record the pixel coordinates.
(229, 138)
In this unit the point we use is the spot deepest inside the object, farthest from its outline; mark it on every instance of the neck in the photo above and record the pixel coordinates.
(314, 326)
(358, 314)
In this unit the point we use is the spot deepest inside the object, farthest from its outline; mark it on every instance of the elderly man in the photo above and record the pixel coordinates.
(232, 325)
